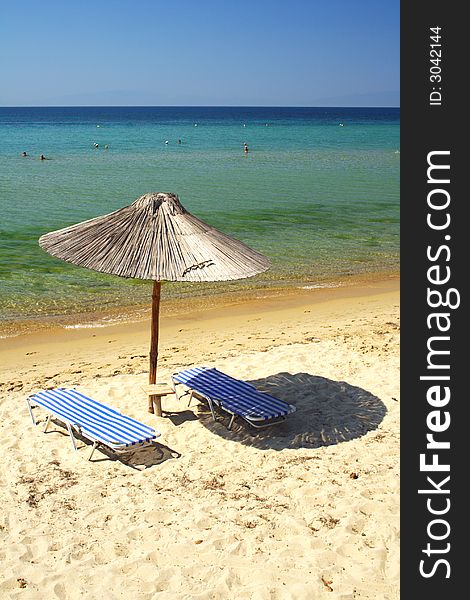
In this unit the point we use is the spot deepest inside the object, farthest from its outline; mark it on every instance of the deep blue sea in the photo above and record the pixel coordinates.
(318, 192)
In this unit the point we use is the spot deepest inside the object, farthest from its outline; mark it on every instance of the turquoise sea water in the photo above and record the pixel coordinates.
(320, 199)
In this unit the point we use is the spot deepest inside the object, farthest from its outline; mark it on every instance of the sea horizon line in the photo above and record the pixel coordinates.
(190, 106)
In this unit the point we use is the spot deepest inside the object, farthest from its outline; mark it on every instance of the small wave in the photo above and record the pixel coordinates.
(103, 322)
(315, 286)
(89, 325)
(5, 336)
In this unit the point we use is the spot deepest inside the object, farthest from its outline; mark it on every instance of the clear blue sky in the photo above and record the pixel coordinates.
(199, 52)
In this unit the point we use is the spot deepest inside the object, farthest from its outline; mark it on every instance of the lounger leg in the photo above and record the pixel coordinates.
(212, 408)
(31, 411)
(173, 385)
(48, 420)
(190, 398)
(178, 396)
(231, 422)
(69, 429)
(95, 444)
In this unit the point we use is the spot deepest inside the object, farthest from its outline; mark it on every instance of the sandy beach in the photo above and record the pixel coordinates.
(306, 510)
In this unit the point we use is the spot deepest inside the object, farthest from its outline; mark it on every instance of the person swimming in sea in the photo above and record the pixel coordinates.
(42, 157)
(24, 154)
(245, 148)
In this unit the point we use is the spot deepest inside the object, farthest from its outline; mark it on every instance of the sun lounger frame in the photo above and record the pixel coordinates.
(34, 401)
(213, 401)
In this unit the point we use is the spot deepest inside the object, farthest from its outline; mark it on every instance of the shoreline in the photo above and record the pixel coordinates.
(134, 313)
(56, 347)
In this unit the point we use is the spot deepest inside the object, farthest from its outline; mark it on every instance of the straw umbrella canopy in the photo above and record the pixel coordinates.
(155, 238)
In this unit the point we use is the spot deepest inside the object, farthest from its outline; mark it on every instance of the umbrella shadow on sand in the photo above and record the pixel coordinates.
(328, 412)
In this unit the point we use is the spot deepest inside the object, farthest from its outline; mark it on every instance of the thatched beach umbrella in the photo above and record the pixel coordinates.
(154, 238)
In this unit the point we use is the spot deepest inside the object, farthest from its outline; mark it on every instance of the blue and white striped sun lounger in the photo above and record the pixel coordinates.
(236, 397)
(93, 420)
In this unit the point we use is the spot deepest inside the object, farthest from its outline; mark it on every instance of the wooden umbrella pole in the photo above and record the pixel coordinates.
(154, 341)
